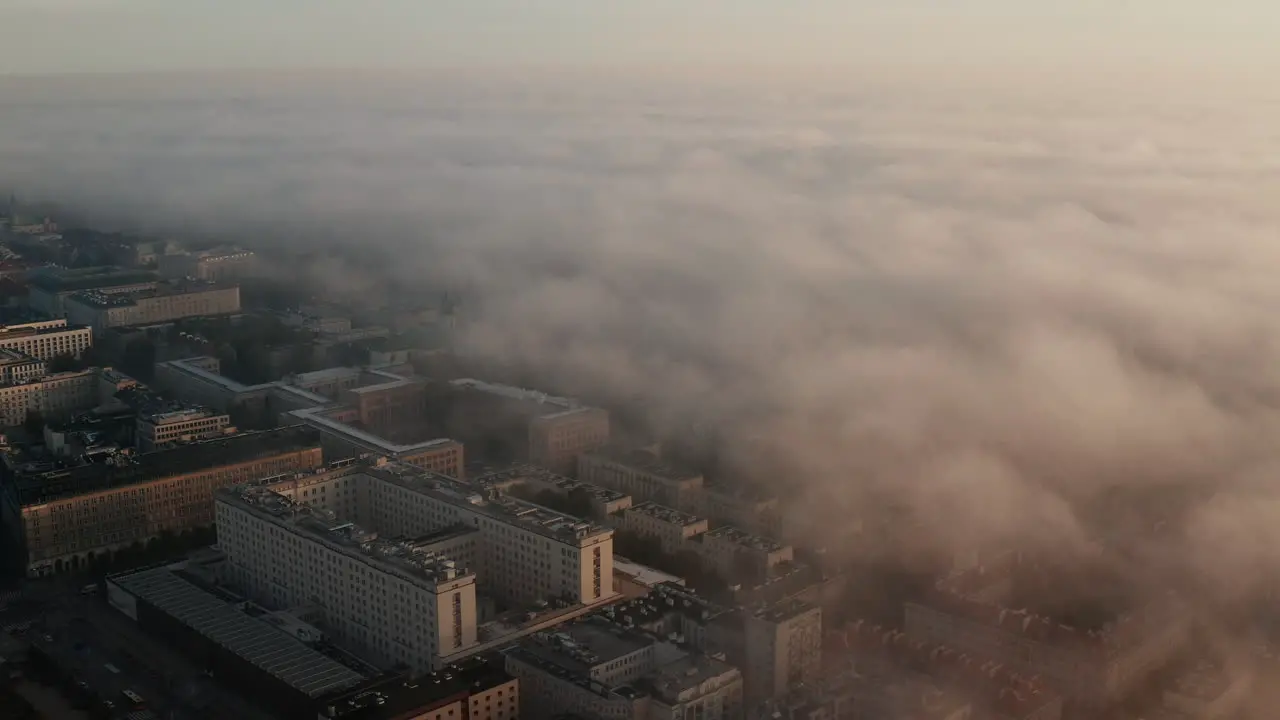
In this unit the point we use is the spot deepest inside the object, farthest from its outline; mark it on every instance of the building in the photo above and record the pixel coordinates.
(159, 303)
(387, 601)
(16, 367)
(600, 503)
(597, 668)
(640, 474)
(512, 424)
(1007, 611)
(740, 507)
(342, 437)
(475, 689)
(197, 380)
(524, 553)
(993, 690)
(177, 423)
(670, 527)
(777, 647)
(222, 266)
(283, 663)
(46, 339)
(67, 516)
(735, 554)
(54, 396)
(50, 287)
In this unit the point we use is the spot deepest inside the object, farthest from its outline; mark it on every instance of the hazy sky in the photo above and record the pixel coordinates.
(39, 36)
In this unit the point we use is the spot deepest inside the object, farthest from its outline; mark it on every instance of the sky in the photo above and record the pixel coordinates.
(70, 36)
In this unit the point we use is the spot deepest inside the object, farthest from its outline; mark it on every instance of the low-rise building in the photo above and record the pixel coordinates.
(46, 339)
(16, 367)
(176, 423)
(471, 690)
(54, 396)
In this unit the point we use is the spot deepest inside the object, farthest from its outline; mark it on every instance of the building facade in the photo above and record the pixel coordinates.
(46, 339)
(640, 474)
(158, 304)
(181, 425)
(54, 396)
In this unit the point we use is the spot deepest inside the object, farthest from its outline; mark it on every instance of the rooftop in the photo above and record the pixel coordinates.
(319, 417)
(302, 667)
(687, 674)
(407, 697)
(401, 558)
(647, 462)
(666, 514)
(39, 328)
(553, 405)
(741, 537)
(581, 646)
(121, 470)
(664, 599)
(73, 280)
(524, 473)
(520, 513)
(99, 299)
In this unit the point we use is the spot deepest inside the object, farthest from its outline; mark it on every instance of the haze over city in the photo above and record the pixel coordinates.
(950, 281)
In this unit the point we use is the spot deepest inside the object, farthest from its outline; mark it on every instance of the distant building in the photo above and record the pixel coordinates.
(670, 527)
(640, 474)
(522, 425)
(16, 367)
(222, 266)
(158, 303)
(63, 516)
(51, 287)
(46, 339)
(604, 503)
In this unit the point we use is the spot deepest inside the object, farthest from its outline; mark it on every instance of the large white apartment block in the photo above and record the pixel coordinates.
(46, 339)
(522, 553)
(387, 600)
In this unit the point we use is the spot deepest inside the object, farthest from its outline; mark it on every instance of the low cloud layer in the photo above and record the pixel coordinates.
(994, 306)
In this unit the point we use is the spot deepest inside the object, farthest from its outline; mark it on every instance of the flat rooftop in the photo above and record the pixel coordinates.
(256, 641)
(686, 674)
(60, 483)
(666, 514)
(520, 513)
(319, 417)
(532, 473)
(404, 697)
(745, 539)
(98, 299)
(580, 646)
(543, 403)
(75, 280)
(397, 557)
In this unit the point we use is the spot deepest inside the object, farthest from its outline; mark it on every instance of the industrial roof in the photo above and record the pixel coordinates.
(307, 670)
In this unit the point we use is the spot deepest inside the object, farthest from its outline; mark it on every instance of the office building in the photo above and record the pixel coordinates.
(51, 287)
(598, 668)
(54, 396)
(343, 437)
(740, 507)
(177, 423)
(600, 503)
(474, 689)
(388, 601)
(66, 516)
(640, 474)
(1005, 611)
(46, 339)
(159, 303)
(735, 554)
(16, 367)
(512, 424)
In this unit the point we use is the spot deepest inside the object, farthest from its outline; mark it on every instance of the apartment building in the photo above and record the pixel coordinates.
(384, 600)
(176, 423)
(519, 425)
(66, 516)
(983, 611)
(16, 367)
(472, 690)
(670, 527)
(160, 303)
(735, 554)
(54, 396)
(46, 339)
(523, 553)
(597, 668)
(51, 287)
(741, 507)
(640, 474)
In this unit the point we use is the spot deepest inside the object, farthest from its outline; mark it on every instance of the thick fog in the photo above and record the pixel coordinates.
(993, 305)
